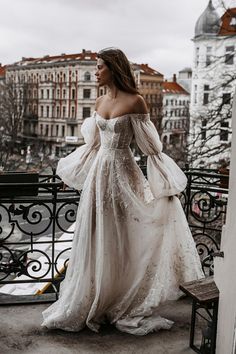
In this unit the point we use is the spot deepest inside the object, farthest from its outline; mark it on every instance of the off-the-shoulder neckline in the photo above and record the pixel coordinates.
(123, 115)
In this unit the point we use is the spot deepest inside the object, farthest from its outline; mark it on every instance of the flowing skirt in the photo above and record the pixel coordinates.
(129, 254)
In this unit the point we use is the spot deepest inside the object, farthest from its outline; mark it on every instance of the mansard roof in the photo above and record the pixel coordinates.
(173, 88)
(146, 69)
(2, 71)
(228, 24)
(86, 55)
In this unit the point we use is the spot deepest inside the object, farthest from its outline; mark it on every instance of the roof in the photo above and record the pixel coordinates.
(145, 69)
(208, 23)
(173, 87)
(186, 69)
(228, 24)
(2, 71)
(84, 55)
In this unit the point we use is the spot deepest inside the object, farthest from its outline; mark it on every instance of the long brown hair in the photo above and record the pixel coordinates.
(120, 68)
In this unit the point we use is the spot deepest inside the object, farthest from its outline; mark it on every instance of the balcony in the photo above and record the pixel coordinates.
(35, 239)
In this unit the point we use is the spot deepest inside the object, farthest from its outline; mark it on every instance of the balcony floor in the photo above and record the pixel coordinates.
(21, 333)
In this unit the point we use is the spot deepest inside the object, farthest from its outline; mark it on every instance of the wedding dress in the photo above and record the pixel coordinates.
(132, 245)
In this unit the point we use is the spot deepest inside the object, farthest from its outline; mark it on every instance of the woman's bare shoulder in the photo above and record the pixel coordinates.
(98, 102)
(140, 105)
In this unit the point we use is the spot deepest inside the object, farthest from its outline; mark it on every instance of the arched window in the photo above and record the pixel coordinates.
(87, 76)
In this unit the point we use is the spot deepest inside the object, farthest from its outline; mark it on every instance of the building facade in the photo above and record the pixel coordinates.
(149, 83)
(175, 123)
(60, 93)
(213, 82)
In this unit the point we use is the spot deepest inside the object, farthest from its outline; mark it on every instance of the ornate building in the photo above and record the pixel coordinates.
(149, 82)
(60, 92)
(213, 83)
(175, 123)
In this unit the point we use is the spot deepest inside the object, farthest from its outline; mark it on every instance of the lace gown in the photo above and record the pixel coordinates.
(132, 245)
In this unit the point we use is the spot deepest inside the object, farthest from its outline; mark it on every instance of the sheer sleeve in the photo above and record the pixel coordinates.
(73, 169)
(164, 175)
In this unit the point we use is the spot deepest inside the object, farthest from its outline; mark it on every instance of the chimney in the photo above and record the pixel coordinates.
(174, 78)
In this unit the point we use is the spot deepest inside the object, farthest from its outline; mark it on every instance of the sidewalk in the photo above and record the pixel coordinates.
(21, 333)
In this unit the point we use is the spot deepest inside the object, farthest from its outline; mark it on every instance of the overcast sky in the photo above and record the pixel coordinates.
(157, 32)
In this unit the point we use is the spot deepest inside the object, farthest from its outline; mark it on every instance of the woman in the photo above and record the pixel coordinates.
(132, 245)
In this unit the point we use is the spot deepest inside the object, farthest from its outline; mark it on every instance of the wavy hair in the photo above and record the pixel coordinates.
(120, 68)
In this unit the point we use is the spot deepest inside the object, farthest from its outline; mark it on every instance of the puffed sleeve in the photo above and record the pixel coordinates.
(73, 169)
(164, 175)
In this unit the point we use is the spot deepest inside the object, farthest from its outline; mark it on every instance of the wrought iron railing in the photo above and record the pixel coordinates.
(36, 232)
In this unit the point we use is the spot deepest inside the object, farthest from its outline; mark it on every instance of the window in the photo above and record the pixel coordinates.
(86, 93)
(64, 94)
(197, 56)
(208, 55)
(229, 55)
(233, 21)
(47, 93)
(46, 130)
(73, 112)
(226, 98)
(195, 93)
(47, 110)
(87, 76)
(58, 93)
(41, 129)
(166, 102)
(41, 93)
(63, 111)
(203, 129)
(86, 112)
(224, 131)
(58, 112)
(57, 129)
(63, 131)
(206, 94)
(41, 111)
(73, 94)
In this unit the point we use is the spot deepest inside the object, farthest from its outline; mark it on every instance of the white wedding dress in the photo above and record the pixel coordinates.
(132, 245)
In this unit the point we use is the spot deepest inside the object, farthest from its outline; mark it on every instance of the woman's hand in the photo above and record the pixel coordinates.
(63, 187)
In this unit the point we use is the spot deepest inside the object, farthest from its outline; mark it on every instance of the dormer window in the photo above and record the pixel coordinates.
(233, 21)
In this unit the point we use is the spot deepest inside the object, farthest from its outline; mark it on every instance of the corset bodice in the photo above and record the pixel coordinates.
(115, 133)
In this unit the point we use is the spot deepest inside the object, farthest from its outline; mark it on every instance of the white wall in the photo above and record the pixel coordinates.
(225, 269)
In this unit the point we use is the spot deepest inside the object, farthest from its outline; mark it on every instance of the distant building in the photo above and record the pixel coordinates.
(213, 84)
(149, 82)
(2, 73)
(61, 93)
(185, 79)
(175, 123)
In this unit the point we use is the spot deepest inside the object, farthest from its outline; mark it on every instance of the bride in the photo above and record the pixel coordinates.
(132, 245)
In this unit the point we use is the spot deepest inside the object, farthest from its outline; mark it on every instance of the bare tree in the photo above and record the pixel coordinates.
(13, 101)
